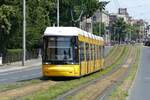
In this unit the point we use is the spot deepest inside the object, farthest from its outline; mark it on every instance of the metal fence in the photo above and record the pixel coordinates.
(10, 58)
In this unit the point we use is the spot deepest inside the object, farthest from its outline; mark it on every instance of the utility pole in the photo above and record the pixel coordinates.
(57, 13)
(24, 33)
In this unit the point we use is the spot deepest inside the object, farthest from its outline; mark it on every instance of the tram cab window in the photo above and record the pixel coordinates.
(59, 50)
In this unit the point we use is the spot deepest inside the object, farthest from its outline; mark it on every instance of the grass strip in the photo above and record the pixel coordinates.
(121, 92)
(59, 89)
(112, 50)
(114, 57)
(10, 86)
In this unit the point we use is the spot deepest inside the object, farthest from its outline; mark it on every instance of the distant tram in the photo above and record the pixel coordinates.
(71, 52)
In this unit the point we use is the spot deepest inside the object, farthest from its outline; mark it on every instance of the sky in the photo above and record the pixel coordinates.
(138, 9)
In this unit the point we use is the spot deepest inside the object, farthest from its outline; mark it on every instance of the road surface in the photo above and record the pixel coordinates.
(20, 75)
(141, 87)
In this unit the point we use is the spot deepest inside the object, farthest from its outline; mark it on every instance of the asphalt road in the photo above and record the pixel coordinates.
(20, 75)
(141, 87)
(26, 74)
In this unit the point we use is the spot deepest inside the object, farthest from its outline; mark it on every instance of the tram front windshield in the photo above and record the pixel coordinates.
(60, 50)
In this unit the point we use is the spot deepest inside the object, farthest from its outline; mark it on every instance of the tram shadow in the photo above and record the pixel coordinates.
(58, 78)
(48, 79)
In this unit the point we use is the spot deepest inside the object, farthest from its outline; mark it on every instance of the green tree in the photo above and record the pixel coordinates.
(120, 30)
(40, 14)
(8, 25)
(96, 28)
(135, 31)
(73, 11)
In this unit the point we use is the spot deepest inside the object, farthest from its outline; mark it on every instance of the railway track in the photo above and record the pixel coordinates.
(95, 89)
(27, 90)
(131, 60)
(115, 55)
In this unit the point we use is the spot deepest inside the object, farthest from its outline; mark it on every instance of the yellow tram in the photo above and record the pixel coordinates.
(71, 52)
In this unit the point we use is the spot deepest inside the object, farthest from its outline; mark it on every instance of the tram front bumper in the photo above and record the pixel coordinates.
(61, 70)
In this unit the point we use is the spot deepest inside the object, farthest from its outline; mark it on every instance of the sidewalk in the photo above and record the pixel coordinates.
(18, 65)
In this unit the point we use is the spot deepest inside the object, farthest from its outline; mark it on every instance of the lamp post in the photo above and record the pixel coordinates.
(24, 33)
(57, 13)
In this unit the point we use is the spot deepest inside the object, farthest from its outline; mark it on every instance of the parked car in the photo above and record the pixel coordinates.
(147, 43)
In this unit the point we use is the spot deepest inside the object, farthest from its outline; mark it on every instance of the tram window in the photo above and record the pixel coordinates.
(100, 52)
(81, 51)
(87, 51)
(90, 52)
(95, 53)
(103, 51)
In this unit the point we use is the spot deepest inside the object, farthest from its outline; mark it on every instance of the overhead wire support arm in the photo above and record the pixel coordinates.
(77, 20)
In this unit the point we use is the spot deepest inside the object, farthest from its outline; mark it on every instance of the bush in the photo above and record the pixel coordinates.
(13, 55)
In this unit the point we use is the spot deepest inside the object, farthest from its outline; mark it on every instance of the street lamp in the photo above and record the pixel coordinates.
(24, 33)
(57, 13)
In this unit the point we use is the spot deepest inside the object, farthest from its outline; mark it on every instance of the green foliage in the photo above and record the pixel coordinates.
(13, 55)
(102, 5)
(37, 20)
(8, 24)
(120, 27)
(78, 8)
(99, 28)
(14, 52)
(39, 15)
(135, 31)
(122, 30)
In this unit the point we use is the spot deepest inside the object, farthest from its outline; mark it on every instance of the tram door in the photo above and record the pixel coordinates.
(83, 62)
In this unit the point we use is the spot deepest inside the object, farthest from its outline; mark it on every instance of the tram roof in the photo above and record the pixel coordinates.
(69, 31)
